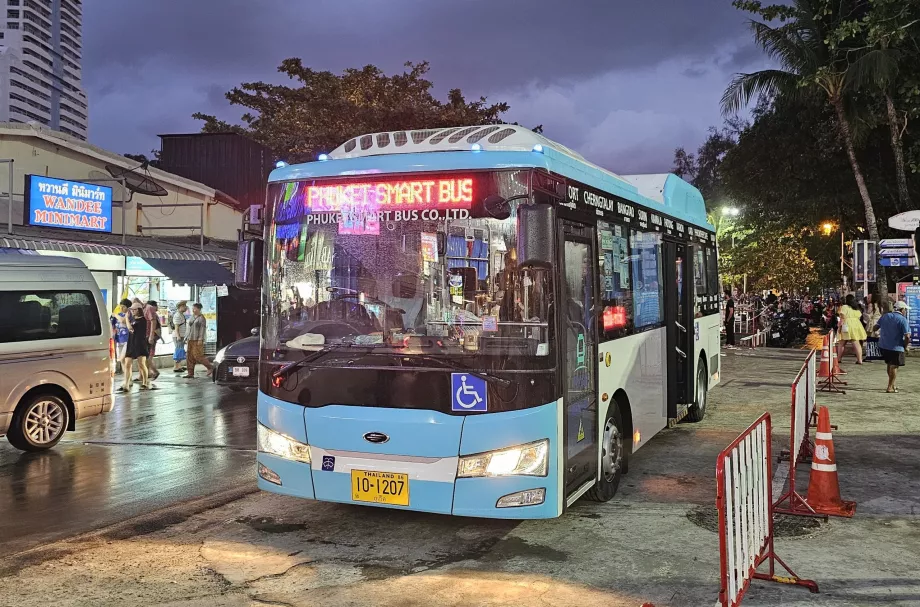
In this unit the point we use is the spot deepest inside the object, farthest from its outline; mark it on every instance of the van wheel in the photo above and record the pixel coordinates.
(38, 423)
(698, 409)
(613, 458)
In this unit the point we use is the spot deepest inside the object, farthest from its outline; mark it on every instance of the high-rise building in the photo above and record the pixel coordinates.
(40, 64)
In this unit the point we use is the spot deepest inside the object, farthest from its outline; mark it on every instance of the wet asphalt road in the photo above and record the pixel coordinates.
(185, 440)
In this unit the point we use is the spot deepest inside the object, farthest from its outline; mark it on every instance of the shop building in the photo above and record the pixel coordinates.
(143, 232)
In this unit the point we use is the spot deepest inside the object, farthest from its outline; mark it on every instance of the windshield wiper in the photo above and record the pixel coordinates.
(483, 375)
(307, 359)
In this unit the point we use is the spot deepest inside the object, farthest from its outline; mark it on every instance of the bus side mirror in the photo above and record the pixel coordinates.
(497, 207)
(535, 236)
(248, 271)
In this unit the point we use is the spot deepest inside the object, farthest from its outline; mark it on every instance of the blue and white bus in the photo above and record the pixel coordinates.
(477, 321)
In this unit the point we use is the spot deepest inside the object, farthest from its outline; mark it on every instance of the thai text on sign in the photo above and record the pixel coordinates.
(67, 204)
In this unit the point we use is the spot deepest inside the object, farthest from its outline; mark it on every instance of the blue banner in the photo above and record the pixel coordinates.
(68, 205)
(912, 295)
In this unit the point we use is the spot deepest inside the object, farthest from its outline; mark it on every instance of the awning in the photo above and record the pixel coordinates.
(201, 273)
(39, 244)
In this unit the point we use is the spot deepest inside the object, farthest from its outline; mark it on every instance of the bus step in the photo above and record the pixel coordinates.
(681, 414)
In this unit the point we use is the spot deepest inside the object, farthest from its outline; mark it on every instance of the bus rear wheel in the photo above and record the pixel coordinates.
(698, 409)
(613, 457)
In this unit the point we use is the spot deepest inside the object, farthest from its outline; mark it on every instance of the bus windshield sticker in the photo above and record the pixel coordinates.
(430, 247)
(468, 393)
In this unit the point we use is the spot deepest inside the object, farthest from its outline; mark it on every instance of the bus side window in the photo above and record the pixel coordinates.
(712, 271)
(616, 310)
(699, 280)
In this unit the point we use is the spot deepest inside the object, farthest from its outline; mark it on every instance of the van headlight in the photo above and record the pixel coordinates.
(531, 459)
(219, 357)
(278, 444)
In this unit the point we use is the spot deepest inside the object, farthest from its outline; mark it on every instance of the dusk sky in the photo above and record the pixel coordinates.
(624, 82)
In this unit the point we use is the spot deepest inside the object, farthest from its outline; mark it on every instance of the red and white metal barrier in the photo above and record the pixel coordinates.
(829, 369)
(744, 497)
(803, 411)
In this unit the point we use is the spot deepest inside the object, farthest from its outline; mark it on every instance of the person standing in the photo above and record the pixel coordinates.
(137, 349)
(729, 319)
(197, 329)
(893, 340)
(154, 333)
(180, 335)
(120, 330)
(851, 328)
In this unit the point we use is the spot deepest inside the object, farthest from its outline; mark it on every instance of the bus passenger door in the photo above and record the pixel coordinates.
(579, 352)
(679, 323)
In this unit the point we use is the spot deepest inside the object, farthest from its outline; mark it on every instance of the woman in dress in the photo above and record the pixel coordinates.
(138, 348)
(851, 328)
(873, 320)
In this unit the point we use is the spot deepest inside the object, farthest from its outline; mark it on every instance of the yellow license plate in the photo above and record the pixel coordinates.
(380, 487)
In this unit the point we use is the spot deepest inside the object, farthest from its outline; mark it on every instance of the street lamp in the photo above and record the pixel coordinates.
(731, 211)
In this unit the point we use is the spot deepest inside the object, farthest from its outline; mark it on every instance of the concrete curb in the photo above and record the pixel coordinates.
(132, 527)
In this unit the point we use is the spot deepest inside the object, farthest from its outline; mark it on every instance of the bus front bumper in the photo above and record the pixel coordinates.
(424, 447)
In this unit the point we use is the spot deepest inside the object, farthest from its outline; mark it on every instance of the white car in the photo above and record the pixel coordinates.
(56, 357)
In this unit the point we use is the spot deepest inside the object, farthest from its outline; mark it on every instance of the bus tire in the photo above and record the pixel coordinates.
(614, 455)
(697, 410)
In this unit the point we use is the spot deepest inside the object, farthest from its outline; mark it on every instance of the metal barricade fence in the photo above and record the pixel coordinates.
(744, 500)
(757, 340)
(804, 390)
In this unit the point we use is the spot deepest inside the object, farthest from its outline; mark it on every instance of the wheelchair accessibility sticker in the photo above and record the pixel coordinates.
(468, 393)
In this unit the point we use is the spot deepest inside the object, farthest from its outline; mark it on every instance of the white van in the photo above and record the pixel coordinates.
(55, 355)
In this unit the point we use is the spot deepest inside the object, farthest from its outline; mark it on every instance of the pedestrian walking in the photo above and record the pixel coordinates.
(729, 319)
(893, 340)
(851, 329)
(154, 335)
(194, 352)
(120, 332)
(179, 325)
(137, 349)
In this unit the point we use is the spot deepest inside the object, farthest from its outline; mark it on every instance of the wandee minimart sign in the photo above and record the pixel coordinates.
(906, 222)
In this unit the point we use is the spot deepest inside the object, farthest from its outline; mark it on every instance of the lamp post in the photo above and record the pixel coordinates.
(828, 228)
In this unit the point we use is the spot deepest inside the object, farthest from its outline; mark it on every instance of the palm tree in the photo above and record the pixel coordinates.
(807, 66)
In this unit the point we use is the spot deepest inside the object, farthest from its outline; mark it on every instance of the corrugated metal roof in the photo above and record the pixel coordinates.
(34, 239)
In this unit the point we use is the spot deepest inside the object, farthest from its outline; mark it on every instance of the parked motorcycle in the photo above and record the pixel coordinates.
(786, 330)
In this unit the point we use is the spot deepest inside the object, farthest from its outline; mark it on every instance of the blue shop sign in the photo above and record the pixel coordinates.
(68, 205)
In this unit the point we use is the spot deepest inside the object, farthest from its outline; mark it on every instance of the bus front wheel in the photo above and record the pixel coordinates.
(698, 409)
(613, 457)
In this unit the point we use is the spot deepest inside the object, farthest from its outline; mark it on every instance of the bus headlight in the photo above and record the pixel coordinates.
(219, 357)
(278, 444)
(531, 459)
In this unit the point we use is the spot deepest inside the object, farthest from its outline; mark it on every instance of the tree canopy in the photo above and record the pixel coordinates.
(321, 110)
(845, 105)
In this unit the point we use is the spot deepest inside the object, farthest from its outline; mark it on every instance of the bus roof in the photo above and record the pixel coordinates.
(501, 146)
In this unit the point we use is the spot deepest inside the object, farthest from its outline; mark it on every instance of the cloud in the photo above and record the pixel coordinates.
(628, 120)
(148, 65)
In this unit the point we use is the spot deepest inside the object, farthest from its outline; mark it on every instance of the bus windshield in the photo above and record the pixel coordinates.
(416, 266)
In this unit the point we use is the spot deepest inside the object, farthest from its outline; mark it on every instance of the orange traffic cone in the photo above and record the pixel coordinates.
(824, 368)
(823, 487)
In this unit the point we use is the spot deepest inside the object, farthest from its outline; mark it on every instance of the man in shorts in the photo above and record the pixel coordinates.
(894, 339)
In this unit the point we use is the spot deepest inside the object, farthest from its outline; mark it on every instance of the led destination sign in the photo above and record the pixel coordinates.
(70, 205)
(420, 194)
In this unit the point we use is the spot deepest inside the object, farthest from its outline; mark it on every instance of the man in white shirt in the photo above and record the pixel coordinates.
(180, 334)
